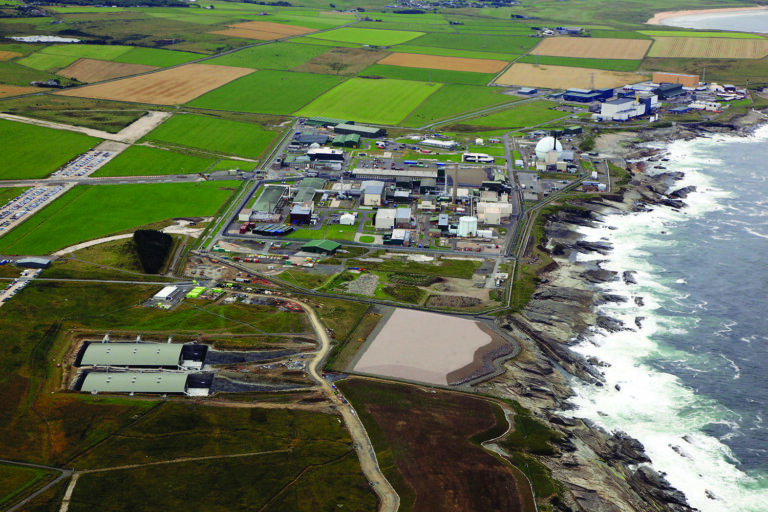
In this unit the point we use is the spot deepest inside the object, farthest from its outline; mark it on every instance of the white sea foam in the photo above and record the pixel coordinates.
(668, 417)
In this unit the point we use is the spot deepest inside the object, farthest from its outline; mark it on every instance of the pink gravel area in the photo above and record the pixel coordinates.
(423, 347)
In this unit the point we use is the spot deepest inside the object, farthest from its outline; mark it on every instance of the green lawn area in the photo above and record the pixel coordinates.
(6, 194)
(145, 161)
(608, 64)
(31, 151)
(334, 232)
(85, 213)
(11, 72)
(527, 114)
(428, 75)
(454, 52)
(385, 101)
(367, 36)
(45, 61)
(156, 57)
(367, 239)
(267, 92)
(514, 45)
(280, 55)
(14, 479)
(456, 99)
(212, 134)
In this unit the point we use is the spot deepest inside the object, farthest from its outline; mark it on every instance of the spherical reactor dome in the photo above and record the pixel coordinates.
(546, 145)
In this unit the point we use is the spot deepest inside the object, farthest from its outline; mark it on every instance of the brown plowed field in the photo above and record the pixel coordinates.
(423, 440)
(167, 87)
(709, 48)
(588, 48)
(412, 60)
(13, 90)
(342, 61)
(263, 30)
(4, 55)
(565, 77)
(91, 70)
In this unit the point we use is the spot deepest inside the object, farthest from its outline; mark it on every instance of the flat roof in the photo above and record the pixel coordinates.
(394, 173)
(357, 127)
(165, 292)
(132, 354)
(326, 245)
(135, 382)
(269, 198)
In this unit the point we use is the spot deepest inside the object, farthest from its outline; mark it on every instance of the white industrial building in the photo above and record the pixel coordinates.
(624, 109)
(372, 192)
(244, 215)
(168, 294)
(493, 212)
(385, 218)
(467, 227)
(442, 144)
(347, 219)
(403, 217)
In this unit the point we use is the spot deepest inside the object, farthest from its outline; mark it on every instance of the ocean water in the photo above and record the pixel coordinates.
(690, 382)
(744, 21)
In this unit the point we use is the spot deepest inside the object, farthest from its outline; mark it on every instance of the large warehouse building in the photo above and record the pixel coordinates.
(135, 382)
(358, 129)
(141, 355)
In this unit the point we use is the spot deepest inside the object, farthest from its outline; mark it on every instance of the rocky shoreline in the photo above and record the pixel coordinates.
(601, 471)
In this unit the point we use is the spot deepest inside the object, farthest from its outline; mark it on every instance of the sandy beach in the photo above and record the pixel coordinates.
(661, 16)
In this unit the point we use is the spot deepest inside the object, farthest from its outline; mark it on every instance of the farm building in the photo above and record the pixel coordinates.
(665, 91)
(168, 294)
(372, 192)
(358, 129)
(302, 214)
(351, 140)
(403, 217)
(324, 121)
(385, 218)
(676, 78)
(270, 199)
(135, 382)
(136, 355)
(315, 154)
(33, 262)
(326, 247)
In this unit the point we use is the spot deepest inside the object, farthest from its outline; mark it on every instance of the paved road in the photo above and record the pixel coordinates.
(389, 501)
(63, 473)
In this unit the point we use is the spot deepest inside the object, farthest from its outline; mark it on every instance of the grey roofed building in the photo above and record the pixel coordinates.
(269, 199)
(311, 138)
(33, 262)
(132, 354)
(135, 382)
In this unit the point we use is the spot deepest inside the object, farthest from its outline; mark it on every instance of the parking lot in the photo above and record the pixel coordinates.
(15, 210)
(17, 285)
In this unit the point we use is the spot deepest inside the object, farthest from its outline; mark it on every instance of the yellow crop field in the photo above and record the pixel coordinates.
(588, 48)
(167, 87)
(91, 70)
(412, 60)
(565, 77)
(709, 48)
(263, 30)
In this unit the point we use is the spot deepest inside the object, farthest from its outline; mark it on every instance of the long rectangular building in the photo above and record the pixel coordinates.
(392, 174)
(138, 355)
(135, 382)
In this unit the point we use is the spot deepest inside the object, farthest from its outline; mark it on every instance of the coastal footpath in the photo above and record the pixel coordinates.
(600, 471)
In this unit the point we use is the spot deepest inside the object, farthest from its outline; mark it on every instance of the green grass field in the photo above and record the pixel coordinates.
(145, 161)
(608, 64)
(334, 232)
(156, 57)
(267, 92)
(212, 134)
(87, 51)
(14, 479)
(527, 114)
(511, 45)
(454, 100)
(280, 55)
(452, 52)
(34, 152)
(45, 61)
(85, 213)
(384, 101)
(367, 36)
(428, 75)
